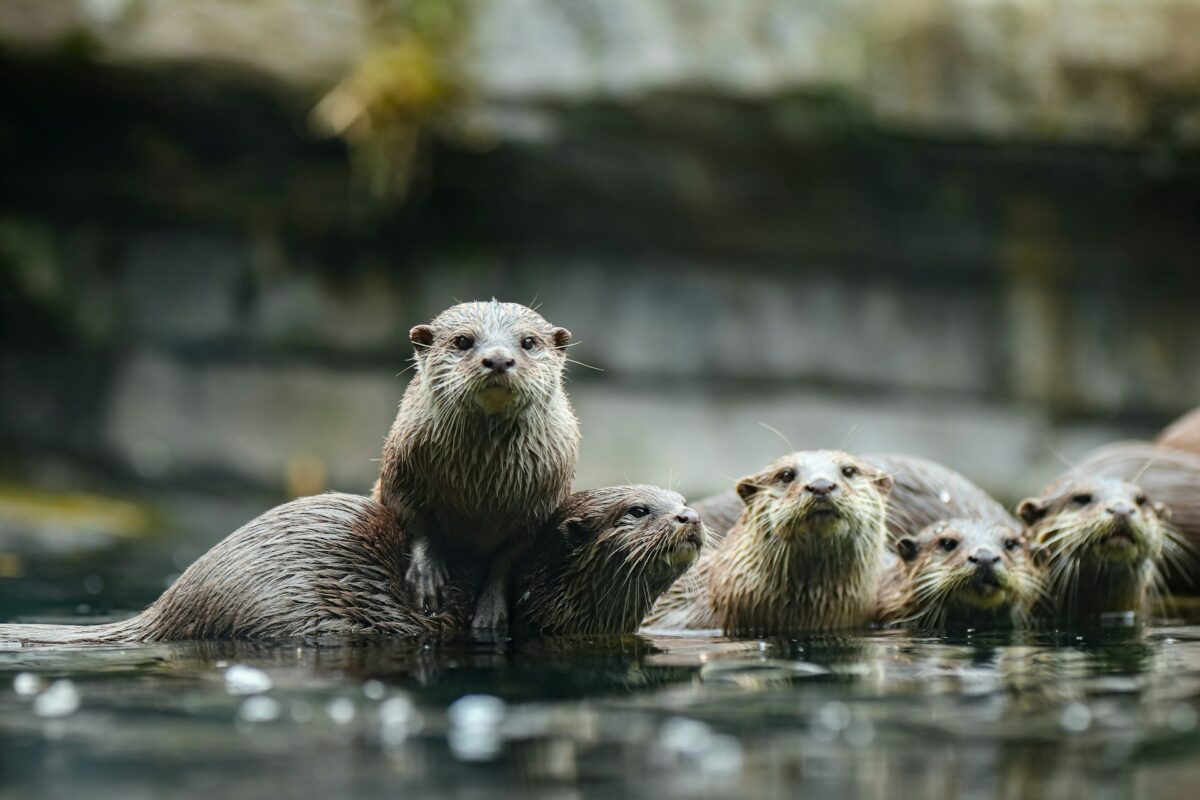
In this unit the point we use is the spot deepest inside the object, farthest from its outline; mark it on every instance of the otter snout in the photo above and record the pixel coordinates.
(986, 564)
(498, 360)
(688, 517)
(821, 487)
(1121, 512)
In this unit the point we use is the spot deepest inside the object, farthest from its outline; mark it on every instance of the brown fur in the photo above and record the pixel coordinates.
(333, 565)
(1183, 433)
(962, 573)
(798, 558)
(1103, 542)
(477, 461)
(923, 492)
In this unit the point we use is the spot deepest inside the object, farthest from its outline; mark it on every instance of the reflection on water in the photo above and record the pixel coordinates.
(1109, 713)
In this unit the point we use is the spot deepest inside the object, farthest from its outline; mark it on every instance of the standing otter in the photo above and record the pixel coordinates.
(962, 573)
(1102, 543)
(805, 554)
(1183, 433)
(483, 448)
(334, 564)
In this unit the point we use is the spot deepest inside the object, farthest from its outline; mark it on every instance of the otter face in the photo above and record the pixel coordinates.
(959, 567)
(821, 494)
(491, 357)
(1100, 519)
(633, 530)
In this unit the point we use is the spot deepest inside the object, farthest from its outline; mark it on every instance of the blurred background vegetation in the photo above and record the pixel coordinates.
(962, 229)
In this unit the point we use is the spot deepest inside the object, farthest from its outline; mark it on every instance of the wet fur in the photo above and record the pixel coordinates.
(774, 572)
(1069, 540)
(333, 565)
(932, 589)
(1183, 434)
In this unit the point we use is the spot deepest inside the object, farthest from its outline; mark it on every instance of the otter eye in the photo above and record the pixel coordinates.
(528, 342)
(1140, 499)
(849, 471)
(787, 476)
(948, 544)
(638, 512)
(464, 342)
(1011, 544)
(1082, 499)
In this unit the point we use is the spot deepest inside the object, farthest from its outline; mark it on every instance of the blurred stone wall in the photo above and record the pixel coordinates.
(966, 231)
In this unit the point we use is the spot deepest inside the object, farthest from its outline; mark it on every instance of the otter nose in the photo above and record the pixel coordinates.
(984, 558)
(1121, 511)
(821, 487)
(498, 360)
(687, 517)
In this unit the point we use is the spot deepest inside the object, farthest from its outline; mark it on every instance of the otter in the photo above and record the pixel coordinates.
(1183, 433)
(923, 492)
(806, 552)
(962, 573)
(335, 564)
(1102, 543)
(483, 448)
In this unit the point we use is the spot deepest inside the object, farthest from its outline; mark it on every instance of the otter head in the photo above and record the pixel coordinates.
(962, 571)
(606, 557)
(1099, 539)
(816, 498)
(490, 357)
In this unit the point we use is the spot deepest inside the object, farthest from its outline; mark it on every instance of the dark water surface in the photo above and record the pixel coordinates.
(1108, 713)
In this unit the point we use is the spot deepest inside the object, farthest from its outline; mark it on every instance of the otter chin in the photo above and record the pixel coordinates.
(962, 573)
(805, 553)
(495, 399)
(1101, 542)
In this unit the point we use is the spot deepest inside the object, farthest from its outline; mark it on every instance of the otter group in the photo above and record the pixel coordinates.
(472, 524)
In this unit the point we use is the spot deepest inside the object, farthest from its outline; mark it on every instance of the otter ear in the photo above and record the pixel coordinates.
(748, 487)
(421, 336)
(884, 483)
(1164, 513)
(906, 548)
(573, 530)
(562, 337)
(1031, 510)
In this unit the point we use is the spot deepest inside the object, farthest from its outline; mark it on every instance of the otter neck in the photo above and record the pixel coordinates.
(1101, 587)
(764, 579)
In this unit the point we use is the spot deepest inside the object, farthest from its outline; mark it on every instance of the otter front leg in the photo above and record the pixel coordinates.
(426, 574)
(491, 607)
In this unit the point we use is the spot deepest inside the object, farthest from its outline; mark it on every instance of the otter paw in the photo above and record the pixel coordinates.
(491, 614)
(426, 577)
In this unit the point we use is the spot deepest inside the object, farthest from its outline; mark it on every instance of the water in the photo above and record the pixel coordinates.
(1099, 714)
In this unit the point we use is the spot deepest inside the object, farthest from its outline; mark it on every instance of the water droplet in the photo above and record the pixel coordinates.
(834, 716)
(374, 690)
(241, 679)
(1076, 718)
(341, 710)
(26, 684)
(398, 719)
(1182, 718)
(60, 700)
(93, 584)
(474, 733)
(259, 708)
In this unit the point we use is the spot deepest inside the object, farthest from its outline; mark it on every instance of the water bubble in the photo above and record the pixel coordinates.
(1182, 718)
(259, 708)
(399, 719)
(474, 733)
(374, 690)
(834, 716)
(93, 584)
(341, 710)
(26, 684)
(241, 679)
(60, 700)
(685, 736)
(1076, 718)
